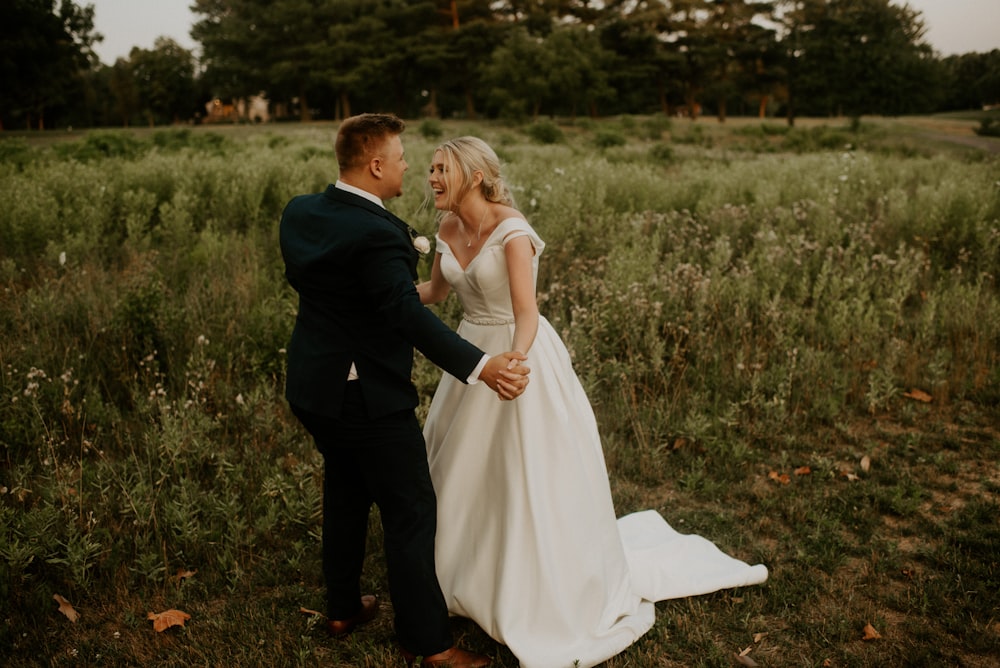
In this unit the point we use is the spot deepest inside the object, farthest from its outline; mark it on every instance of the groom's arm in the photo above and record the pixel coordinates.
(390, 282)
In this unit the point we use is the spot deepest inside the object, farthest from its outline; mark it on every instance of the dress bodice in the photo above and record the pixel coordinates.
(483, 287)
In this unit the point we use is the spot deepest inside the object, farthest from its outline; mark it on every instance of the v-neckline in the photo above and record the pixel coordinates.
(479, 252)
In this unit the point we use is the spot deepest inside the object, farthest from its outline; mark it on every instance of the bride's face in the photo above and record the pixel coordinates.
(440, 179)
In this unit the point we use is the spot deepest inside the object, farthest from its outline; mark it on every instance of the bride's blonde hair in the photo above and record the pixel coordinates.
(464, 156)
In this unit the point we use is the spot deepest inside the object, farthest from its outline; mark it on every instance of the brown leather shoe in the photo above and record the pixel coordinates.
(339, 628)
(450, 658)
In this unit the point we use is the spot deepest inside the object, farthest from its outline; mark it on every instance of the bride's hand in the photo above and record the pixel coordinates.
(505, 375)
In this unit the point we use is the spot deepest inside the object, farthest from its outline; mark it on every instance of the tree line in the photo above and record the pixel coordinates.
(516, 59)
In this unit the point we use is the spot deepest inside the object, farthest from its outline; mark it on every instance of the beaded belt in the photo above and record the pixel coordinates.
(487, 321)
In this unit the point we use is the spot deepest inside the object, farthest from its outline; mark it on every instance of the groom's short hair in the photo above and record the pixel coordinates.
(359, 137)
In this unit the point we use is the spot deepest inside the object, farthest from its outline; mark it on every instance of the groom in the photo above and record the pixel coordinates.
(353, 264)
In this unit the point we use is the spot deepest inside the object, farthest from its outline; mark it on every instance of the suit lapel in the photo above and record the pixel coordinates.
(355, 200)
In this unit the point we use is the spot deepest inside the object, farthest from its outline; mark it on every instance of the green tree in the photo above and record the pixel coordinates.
(646, 69)
(736, 47)
(164, 81)
(451, 41)
(690, 43)
(972, 81)
(578, 74)
(311, 53)
(231, 34)
(124, 92)
(516, 76)
(44, 48)
(853, 57)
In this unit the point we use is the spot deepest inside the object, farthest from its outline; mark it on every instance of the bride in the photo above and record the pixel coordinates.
(528, 545)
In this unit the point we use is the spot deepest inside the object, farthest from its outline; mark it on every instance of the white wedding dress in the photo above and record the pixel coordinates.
(528, 546)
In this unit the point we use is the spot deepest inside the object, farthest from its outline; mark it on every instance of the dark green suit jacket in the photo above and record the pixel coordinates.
(353, 265)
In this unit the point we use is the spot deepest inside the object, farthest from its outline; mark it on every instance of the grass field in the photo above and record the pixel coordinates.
(792, 345)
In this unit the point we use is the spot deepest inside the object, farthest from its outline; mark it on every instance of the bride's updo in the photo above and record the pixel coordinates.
(467, 155)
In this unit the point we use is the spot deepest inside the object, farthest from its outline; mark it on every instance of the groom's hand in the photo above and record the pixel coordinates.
(505, 375)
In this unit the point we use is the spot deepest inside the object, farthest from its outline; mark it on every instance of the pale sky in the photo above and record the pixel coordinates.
(953, 26)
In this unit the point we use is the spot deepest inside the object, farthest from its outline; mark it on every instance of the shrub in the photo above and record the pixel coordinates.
(988, 127)
(430, 129)
(608, 138)
(545, 132)
(173, 140)
(15, 152)
(105, 144)
(661, 152)
(656, 125)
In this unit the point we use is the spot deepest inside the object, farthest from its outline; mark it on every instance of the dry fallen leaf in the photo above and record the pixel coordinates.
(803, 470)
(164, 620)
(866, 463)
(827, 663)
(757, 637)
(871, 633)
(307, 611)
(742, 659)
(919, 395)
(183, 574)
(67, 609)
(783, 478)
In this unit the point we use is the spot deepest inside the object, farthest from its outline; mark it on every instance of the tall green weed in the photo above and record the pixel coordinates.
(720, 305)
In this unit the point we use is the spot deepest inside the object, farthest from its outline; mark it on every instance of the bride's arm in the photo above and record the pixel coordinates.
(436, 289)
(520, 254)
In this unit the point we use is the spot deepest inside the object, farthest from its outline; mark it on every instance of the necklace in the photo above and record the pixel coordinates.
(479, 232)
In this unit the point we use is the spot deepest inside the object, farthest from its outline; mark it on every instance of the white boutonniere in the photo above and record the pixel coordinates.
(422, 244)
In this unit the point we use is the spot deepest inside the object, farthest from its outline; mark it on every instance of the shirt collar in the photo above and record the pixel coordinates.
(359, 192)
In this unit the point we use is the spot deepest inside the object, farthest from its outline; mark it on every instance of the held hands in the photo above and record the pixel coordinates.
(505, 375)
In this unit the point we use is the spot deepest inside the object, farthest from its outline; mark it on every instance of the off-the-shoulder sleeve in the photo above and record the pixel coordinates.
(512, 228)
(441, 246)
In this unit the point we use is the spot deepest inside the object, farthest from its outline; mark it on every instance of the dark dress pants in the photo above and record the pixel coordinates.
(381, 461)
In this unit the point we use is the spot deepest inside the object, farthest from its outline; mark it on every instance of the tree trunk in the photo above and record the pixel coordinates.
(762, 109)
(431, 109)
(305, 114)
(470, 105)
(692, 106)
